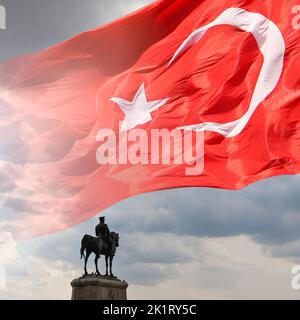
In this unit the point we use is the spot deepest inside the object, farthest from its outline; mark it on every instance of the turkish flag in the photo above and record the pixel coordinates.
(227, 70)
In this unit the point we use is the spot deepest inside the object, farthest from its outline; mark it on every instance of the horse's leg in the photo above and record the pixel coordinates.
(110, 265)
(106, 263)
(86, 260)
(96, 264)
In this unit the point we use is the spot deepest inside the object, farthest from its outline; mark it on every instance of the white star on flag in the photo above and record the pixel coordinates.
(138, 111)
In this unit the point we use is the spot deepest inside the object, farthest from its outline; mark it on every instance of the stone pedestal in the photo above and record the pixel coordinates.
(94, 287)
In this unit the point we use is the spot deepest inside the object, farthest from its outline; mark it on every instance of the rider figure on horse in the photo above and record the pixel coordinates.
(105, 243)
(103, 234)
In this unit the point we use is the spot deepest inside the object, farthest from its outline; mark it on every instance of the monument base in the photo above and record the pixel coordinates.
(92, 287)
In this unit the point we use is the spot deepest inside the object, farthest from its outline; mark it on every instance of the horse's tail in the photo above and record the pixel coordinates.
(82, 253)
(83, 246)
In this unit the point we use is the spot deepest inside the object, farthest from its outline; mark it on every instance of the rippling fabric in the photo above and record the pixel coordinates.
(54, 102)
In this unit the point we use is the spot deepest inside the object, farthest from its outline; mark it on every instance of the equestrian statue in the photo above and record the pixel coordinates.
(105, 243)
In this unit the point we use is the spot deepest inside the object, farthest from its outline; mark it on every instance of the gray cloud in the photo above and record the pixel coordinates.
(148, 273)
(153, 228)
(35, 24)
(6, 184)
(267, 211)
(17, 204)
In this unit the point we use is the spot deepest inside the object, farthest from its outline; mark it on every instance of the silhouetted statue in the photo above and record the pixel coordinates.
(102, 232)
(105, 244)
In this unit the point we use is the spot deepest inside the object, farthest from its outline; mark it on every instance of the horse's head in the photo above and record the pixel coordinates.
(115, 238)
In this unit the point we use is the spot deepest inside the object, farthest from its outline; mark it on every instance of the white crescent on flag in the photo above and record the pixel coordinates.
(272, 46)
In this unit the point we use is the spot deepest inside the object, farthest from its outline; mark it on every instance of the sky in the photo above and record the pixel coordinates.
(192, 243)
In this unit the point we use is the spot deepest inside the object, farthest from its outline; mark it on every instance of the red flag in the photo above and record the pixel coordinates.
(228, 70)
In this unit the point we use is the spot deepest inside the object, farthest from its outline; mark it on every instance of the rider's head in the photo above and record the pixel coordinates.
(102, 219)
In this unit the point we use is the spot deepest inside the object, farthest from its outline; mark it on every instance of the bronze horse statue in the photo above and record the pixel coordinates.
(90, 244)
